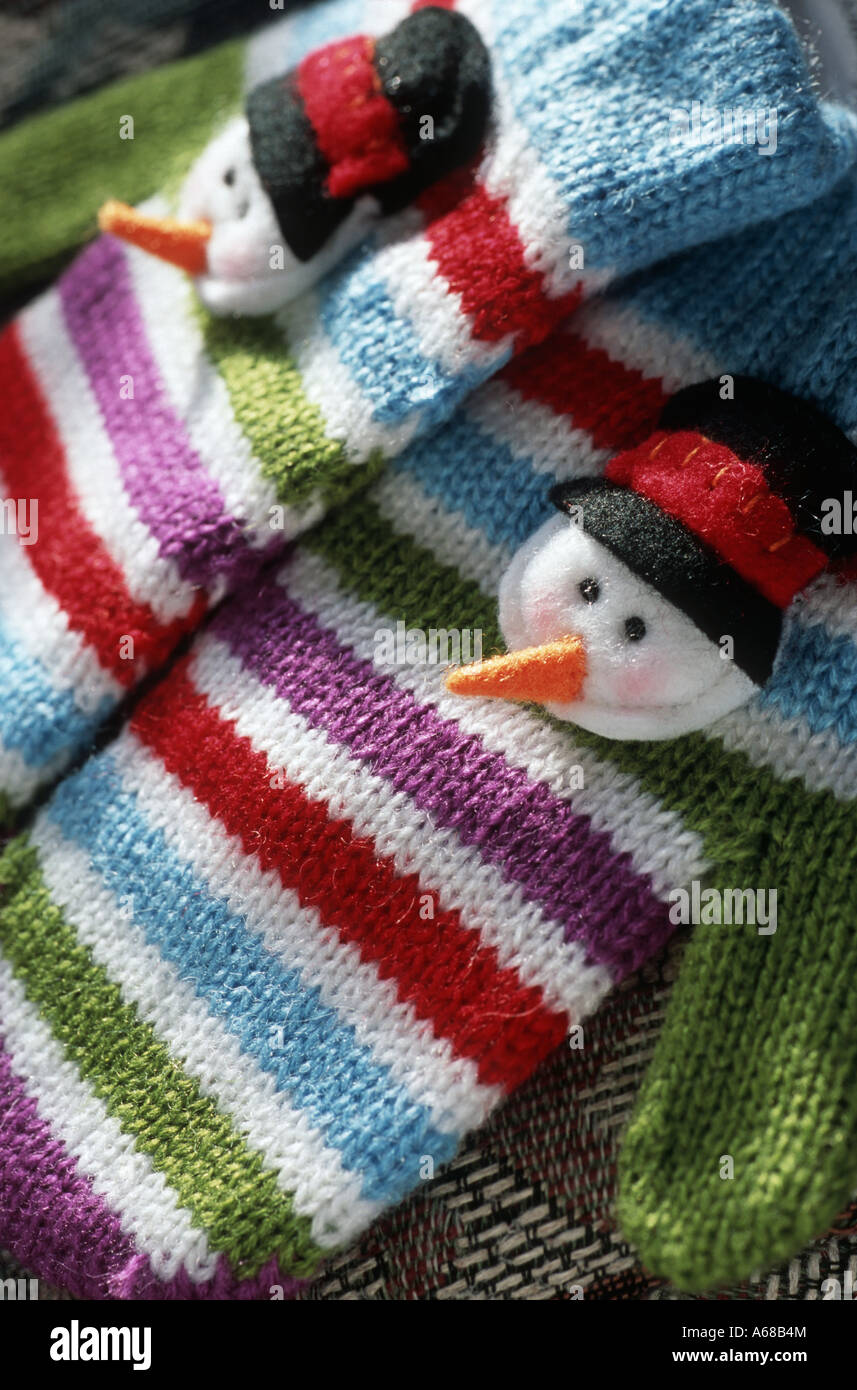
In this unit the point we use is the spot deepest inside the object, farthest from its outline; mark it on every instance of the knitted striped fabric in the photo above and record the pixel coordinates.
(170, 455)
(311, 916)
(758, 1056)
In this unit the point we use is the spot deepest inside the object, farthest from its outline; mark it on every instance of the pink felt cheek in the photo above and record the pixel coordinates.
(233, 258)
(547, 619)
(643, 683)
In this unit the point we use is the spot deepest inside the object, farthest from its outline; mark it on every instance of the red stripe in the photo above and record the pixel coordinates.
(68, 556)
(356, 127)
(615, 404)
(480, 254)
(439, 966)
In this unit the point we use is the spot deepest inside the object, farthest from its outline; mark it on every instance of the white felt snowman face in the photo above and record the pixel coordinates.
(640, 669)
(223, 189)
(319, 155)
(249, 268)
(227, 236)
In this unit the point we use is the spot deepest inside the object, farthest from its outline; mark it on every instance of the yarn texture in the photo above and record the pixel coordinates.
(315, 912)
(172, 454)
(311, 917)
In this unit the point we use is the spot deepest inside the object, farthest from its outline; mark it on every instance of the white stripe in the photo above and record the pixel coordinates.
(655, 838)
(413, 511)
(328, 385)
(35, 620)
(526, 940)
(789, 748)
(19, 781)
(380, 16)
(424, 1065)
(514, 172)
(832, 601)
(537, 435)
(787, 745)
(619, 330)
(423, 298)
(93, 468)
(290, 1146)
(147, 1207)
(269, 51)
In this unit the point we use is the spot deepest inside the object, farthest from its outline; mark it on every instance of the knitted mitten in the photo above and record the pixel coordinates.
(152, 456)
(744, 1139)
(312, 915)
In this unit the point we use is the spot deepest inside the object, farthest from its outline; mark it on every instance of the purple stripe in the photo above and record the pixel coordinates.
(533, 837)
(164, 477)
(53, 1222)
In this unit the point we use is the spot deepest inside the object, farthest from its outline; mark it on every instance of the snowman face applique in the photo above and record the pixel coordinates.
(654, 603)
(284, 191)
(647, 671)
(224, 191)
(249, 268)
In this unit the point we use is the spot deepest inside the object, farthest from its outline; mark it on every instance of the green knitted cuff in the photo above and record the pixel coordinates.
(738, 1150)
(59, 167)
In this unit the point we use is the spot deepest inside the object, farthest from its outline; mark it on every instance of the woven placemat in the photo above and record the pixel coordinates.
(525, 1212)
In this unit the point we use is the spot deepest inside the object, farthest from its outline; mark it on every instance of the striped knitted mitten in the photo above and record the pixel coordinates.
(744, 1141)
(267, 957)
(171, 452)
(312, 916)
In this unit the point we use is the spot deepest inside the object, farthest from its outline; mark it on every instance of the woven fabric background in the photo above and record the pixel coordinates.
(54, 50)
(525, 1211)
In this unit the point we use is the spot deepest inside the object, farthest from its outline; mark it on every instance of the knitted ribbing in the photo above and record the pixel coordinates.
(171, 455)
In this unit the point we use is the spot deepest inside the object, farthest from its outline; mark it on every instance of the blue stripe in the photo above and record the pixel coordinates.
(380, 1132)
(380, 350)
(477, 474)
(38, 722)
(728, 302)
(816, 678)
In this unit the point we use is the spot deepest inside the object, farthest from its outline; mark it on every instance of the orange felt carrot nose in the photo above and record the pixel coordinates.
(553, 672)
(184, 244)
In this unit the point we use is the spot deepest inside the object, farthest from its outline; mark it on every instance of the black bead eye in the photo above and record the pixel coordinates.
(229, 177)
(635, 629)
(589, 589)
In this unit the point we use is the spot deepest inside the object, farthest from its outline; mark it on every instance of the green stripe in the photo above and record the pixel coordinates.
(719, 794)
(57, 168)
(285, 430)
(400, 577)
(222, 1181)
